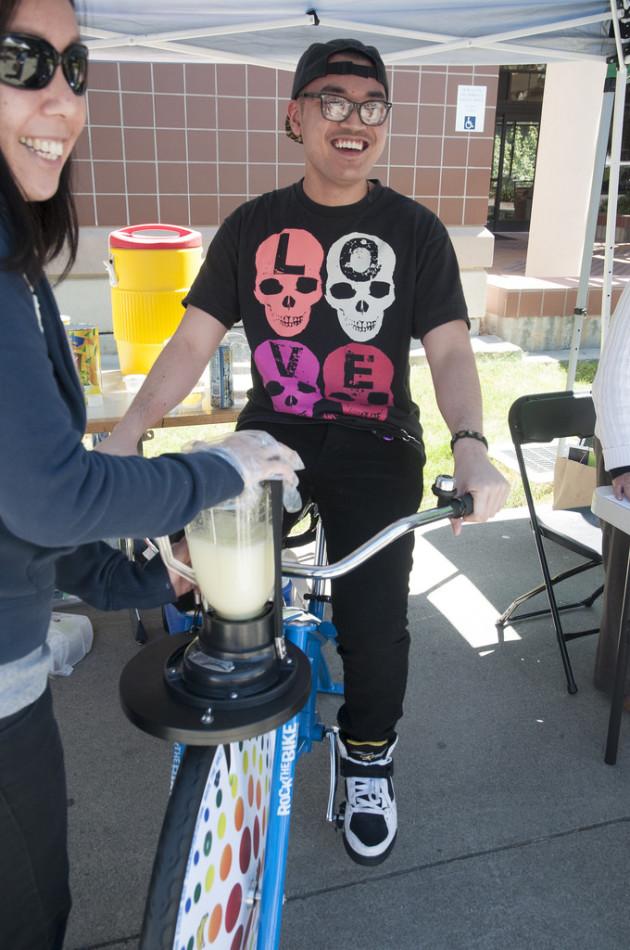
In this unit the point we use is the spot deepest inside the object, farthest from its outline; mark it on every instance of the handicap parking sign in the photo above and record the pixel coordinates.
(471, 106)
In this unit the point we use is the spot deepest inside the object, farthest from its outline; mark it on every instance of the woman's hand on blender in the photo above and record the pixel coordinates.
(258, 457)
(180, 584)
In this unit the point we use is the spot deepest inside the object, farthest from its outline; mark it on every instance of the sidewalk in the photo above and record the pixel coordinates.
(488, 345)
(514, 834)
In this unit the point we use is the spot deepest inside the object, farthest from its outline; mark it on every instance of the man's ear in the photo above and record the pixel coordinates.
(293, 124)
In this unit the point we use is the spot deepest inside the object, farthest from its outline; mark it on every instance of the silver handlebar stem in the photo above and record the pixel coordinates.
(171, 562)
(361, 554)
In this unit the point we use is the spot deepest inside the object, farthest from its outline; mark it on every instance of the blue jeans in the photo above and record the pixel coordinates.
(362, 482)
(35, 896)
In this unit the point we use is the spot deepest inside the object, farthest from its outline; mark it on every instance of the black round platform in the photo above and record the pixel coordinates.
(154, 708)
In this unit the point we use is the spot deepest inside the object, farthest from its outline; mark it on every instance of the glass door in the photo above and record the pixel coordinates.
(513, 168)
(519, 107)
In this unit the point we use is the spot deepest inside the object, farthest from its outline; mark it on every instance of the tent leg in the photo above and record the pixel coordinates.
(613, 190)
(591, 224)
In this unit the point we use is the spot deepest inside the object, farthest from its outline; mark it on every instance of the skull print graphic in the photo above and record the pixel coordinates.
(360, 283)
(289, 373)
(288, 279)
(360, 378)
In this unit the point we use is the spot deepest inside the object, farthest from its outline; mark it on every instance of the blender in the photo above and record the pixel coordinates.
(236, 677)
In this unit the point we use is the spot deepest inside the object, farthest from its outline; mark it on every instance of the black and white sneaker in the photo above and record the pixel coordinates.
(370, 821)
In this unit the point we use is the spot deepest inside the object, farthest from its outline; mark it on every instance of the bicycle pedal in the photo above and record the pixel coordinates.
(331, 735)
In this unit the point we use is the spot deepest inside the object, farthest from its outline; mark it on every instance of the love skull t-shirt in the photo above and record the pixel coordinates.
(330, 298)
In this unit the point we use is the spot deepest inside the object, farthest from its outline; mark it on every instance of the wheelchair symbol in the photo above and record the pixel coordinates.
(470, 122)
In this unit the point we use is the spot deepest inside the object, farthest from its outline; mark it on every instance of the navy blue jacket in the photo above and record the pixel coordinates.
(57, 499)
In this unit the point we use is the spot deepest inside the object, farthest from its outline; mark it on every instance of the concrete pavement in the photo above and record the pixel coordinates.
(514, 834)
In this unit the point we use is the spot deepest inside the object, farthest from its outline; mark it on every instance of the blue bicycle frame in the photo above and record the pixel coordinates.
(292, 740)
(309, 632)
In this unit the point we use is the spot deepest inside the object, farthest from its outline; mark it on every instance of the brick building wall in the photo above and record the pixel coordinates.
(186, 144)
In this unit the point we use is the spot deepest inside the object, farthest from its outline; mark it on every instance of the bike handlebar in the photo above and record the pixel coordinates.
(456, 508)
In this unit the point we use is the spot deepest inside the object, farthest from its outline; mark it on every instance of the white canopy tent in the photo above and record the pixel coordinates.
(409, 32)
(406, 32)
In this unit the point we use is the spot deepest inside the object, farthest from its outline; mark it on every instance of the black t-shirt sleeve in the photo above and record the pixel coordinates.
(439, 295)
(215, 288)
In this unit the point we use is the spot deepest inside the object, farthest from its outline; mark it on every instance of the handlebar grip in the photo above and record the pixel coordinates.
(462, 506)
(444, 490)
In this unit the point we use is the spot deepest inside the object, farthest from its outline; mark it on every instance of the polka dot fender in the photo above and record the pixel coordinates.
(219, 907)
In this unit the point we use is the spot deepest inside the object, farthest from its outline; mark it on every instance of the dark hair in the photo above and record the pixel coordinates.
(42, 228)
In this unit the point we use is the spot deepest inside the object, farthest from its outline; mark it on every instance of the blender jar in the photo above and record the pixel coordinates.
(231, 550)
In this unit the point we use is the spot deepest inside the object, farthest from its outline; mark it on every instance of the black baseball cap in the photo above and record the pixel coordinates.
(313, 63)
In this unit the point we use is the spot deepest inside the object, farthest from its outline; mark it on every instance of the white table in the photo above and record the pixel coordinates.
(616, 513)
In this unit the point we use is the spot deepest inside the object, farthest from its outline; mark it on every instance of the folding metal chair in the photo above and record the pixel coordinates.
(542, 418)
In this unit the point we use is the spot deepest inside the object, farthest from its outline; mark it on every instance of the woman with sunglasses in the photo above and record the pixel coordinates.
(56, 499)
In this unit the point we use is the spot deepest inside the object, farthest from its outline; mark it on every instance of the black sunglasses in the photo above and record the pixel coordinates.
(29, 62)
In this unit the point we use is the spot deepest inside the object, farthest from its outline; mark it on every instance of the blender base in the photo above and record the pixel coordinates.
(153, 707)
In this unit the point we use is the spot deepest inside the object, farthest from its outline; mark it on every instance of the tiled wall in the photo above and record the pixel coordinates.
(188, 144)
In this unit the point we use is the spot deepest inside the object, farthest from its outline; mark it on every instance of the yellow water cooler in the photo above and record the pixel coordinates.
(151, 268)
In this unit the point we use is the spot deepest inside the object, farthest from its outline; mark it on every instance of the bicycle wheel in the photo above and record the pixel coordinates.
(204, 890)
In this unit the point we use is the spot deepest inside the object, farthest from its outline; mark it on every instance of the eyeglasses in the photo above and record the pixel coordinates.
(29, 62)
(337, 108)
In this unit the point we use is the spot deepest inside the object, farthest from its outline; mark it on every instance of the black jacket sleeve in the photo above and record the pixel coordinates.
(105, 578)
(55, 493)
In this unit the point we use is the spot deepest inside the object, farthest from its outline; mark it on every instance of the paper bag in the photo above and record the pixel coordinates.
(573, 484)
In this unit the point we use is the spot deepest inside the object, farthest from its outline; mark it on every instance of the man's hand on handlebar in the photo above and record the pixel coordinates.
(474, 473)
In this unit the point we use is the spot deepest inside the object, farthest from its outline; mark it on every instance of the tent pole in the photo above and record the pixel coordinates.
(613, 191)
(591, 223)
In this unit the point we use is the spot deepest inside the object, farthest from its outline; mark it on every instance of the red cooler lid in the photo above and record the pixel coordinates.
(155, 237)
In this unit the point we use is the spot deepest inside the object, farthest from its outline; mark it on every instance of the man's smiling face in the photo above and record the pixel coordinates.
(339, 156)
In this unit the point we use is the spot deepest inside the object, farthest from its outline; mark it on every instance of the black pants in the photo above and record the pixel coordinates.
(34, 892)
(362, 482)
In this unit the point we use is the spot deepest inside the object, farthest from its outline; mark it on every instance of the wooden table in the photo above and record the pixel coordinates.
(117, 399)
